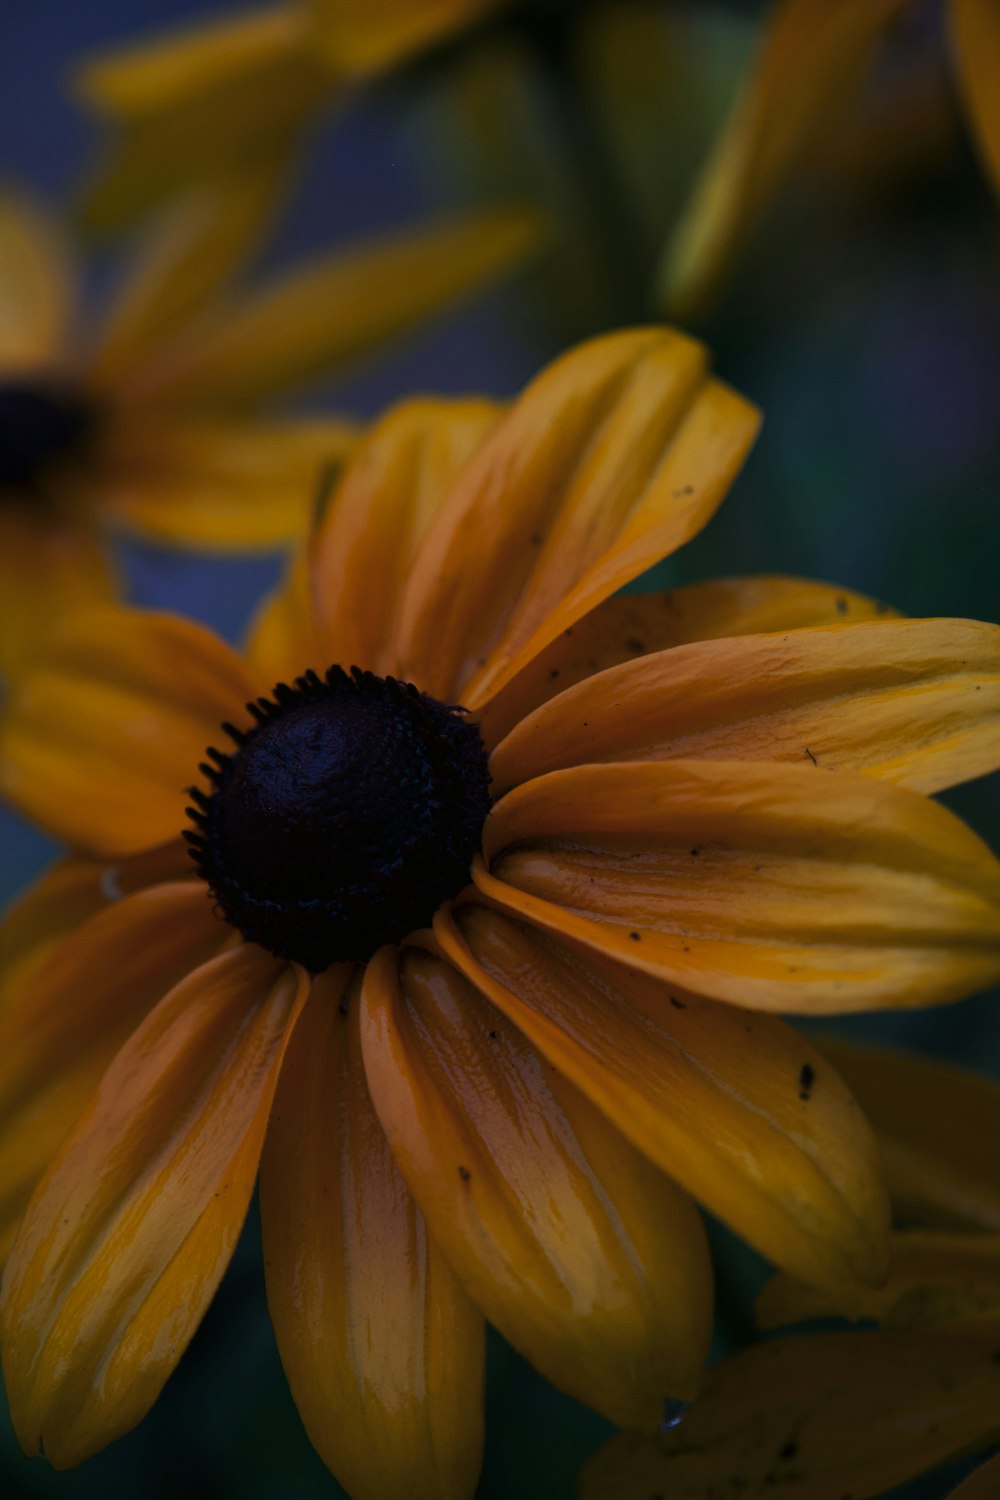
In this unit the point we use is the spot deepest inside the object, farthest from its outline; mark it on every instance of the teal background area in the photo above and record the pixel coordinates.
(868, 329)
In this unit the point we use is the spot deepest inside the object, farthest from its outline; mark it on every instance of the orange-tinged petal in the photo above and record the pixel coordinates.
(222, 484)
(611, 459)
(754, 883)
(49, 570)
(937, 1126)
(381, 1344)
(975, 27)
(99, 742)
(818, 1417)
(130, 1230)
(585, 1257)
(284, 638)
(364, 547)
(916, 702)
(630, 625)
(935, 1278)
(711, 1094)
(982, 1484)
(329, 311)
(813, 57)
(36, 291)
(62, 1026)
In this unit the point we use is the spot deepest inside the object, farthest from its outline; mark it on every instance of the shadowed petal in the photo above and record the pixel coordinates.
(382, 1347)
(36, 292)
(982, 1484)
(585, 1257)
(49, 570)
(758, 884)
(975, 26)
(130, 1230)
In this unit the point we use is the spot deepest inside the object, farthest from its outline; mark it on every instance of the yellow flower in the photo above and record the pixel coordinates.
(155, 422)
(496, 1056)
(812, 57)
(828, 1414)
(228, 93)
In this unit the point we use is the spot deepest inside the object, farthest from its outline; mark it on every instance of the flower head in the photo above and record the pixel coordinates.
(156, 422)
(508, 876)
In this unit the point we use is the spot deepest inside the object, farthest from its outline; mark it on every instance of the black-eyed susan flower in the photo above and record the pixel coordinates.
(813, 57)
(487, 992)
(842, 1412)
(154, 421)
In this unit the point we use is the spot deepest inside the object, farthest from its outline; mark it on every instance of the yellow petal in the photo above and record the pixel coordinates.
(130, 1230)
(982, 1484)
(916, 702)
(585, 1256)
(818, 1417)
(48, 570)
(975, 26)
(342, 305)
(937, 1126)
(284, 638)
(63, 1026)
(99, 742)
(754, 883)
(36, 291)
(630, 625)
(711, 1094)
(358, 37)
(935, 1278)
(611, 459)
(364, 547)
(812, 59)
(382, 1347)
(222, 484)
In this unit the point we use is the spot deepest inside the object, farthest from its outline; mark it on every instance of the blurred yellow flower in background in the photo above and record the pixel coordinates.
(157, 420)
(487, 1056)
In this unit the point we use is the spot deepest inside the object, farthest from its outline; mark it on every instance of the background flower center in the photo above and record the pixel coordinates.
(41, 423)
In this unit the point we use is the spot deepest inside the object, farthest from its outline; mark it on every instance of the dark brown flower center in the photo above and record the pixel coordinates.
(349, 811)
(42, 424)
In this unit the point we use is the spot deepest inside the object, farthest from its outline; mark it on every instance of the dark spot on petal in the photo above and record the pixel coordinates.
(807, 1078)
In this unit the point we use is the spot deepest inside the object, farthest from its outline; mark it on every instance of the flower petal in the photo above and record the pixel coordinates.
(975, 26)
(63, 1025)
(916, 702)
(742, 881)
(130, 1230)
(100, 740)
(937, 1127)
(36, 291)
(369, 534)
(812, 58)
(712, 1095)
(382, 1347)
(630, 625)
(614, 457)
(359, 38)
(816, 1417)
(49, 570)
(585, 1257)
(935, 1278)
(310, 321)
(222, 484)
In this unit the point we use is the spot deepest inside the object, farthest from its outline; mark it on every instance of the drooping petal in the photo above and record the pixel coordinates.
(817, 1417)
(99, 742)
(61, 1027)
(48, 570)
(935, 1278)
(631, 625)
(364, 547)
(975, 27)
(36, 290)
(585, 1257)
(130, 1230)
(916, 702)
(381, 1344)
(812, 58)
(318, 317)
(937, 1126)
(713, 1095)
(226, 484)
(757, 884)
(611, 459)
